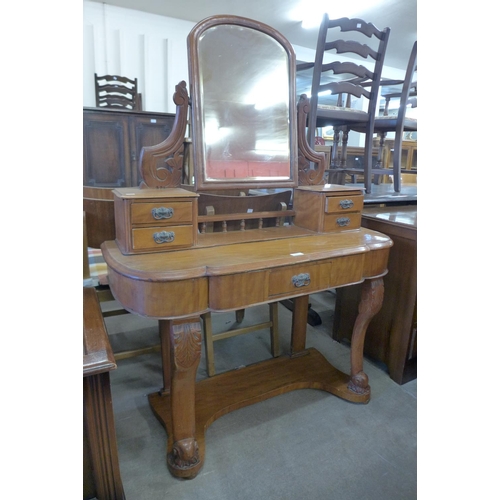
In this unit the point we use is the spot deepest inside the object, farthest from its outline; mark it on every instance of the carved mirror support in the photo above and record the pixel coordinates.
(161, 166)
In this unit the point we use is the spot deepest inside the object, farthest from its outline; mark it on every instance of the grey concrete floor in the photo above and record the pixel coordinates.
(303, 444)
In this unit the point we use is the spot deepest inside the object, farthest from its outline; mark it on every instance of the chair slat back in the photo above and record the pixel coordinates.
(346, 77)
(115, 91)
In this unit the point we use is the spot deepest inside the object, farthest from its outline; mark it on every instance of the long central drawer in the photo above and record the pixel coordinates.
(243, 289)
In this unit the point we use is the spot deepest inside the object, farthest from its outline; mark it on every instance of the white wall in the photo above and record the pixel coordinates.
(138, 45)
(152, 49)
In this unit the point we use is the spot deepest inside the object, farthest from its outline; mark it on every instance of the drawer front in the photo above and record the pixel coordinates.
(337, 204)
(237, 291)
(305, 278)
(342, 222)
(162, 212)
(347, 270)
(160, 238)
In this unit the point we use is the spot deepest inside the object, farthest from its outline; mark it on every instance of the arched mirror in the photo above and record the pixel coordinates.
(243, 120)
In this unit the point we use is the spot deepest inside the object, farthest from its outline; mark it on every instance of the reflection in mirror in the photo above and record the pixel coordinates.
(244, 107)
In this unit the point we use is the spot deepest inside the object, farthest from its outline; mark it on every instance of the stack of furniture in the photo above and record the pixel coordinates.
(347, 81)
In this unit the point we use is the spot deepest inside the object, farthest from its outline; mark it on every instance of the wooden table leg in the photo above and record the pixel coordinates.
(299, 325)
(183, 458)
(100, 428)
(372, 296)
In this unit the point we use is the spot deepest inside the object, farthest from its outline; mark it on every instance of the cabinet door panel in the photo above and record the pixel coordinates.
(105, 146)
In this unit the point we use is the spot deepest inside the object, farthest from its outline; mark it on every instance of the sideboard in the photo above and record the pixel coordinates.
(112, 143)
(392, 334)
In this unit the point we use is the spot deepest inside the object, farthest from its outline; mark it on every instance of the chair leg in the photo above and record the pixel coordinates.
(209, 339)
(396, 161)
(335, 175)
(335, 148)
(380, 157)
(343, 154)
(275, 336)
(368, 161)
(209, 343)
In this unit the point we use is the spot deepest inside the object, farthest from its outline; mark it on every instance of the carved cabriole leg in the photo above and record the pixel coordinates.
(372, 296)
(183, 459)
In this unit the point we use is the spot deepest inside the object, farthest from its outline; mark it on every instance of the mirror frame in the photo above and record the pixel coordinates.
(200, 182)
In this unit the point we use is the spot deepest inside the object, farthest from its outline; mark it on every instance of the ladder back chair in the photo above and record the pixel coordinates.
(117, 92)
(355, 86)
(400, 122)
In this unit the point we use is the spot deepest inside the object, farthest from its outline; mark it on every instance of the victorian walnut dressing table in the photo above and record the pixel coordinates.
(169, 262)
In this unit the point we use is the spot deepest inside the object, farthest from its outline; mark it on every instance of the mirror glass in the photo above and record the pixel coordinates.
(244, 106)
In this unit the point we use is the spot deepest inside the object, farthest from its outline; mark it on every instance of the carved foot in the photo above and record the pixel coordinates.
(359, 384)
(184, 459)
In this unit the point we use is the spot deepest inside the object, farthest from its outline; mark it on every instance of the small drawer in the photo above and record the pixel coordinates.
(305, 278)
(162, 238)
(335, 204)
(162, 212)
(342, 222)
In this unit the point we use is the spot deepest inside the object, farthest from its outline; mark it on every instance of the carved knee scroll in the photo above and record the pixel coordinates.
(186, 344)
(372, 296)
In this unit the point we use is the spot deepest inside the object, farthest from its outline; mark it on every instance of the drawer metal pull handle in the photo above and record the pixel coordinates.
(302, 279)
(164, 237)
(162, 213)
(346, 204)
(343, 221)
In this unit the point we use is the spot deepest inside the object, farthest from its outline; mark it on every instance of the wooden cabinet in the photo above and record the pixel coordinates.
(408, 154)
(112, 143)
(391, 336)
(154, 220)
(328, 208)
